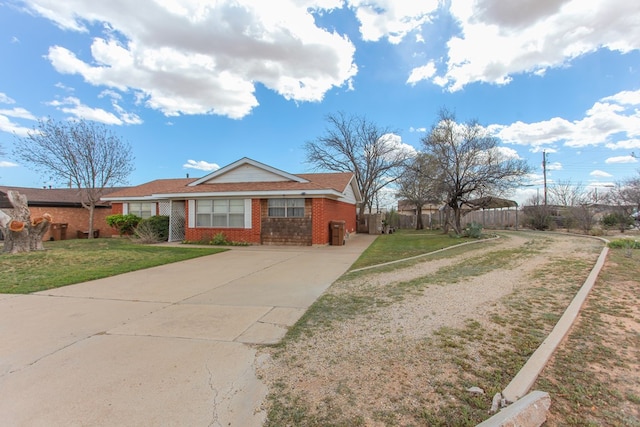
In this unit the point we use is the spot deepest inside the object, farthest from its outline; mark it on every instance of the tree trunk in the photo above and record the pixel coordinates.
(419, 224)
(92, 207)
(446, 221)
(23, 234)
(457, 214)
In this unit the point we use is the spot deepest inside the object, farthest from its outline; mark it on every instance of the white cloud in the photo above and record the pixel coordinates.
(508, 153)
(9, 126)
(194, 57)
(539, 149)
(621, 159)
(627, 144)
(18, 113)
(73, 106)
(394, 142)
(601, 188)
(499, 39)
(422, 73)
(600, 174)
(4, 99)
(554, 166)
(613, 121)
(626, 97)
(5, 164)
(393, 19)
(201, 165)
(110, 94)
(62, 86)
(535, 179)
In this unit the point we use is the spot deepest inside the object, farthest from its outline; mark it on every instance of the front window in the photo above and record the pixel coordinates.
(143, 210)
(286, 208)
(220, 213)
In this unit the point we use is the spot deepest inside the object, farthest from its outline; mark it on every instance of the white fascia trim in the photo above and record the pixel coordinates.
(354, 184)
(130, 199)
(229, 194)
(252, 194)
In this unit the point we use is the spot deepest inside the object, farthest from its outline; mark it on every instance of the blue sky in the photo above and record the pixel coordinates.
(195, 85)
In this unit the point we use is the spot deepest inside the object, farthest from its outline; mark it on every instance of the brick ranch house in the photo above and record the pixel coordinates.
(64, 205)
(247, 201)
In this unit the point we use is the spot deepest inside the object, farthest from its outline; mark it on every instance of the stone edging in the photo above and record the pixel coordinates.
(530, 410)
(422, 255)
(528, 374)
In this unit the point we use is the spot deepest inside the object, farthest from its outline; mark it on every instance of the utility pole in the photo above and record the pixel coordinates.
(544, 173)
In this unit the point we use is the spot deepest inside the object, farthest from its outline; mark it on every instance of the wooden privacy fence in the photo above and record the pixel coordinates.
(505, 218)
(494, 218)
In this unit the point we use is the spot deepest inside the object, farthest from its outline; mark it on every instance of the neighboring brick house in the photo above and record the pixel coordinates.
(64, 205)
(249, 202)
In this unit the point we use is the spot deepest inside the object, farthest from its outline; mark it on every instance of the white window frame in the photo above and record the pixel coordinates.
(220, 213)
(137, 208)
(286, 208)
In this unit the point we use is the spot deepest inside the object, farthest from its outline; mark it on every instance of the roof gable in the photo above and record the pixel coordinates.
(247, 170)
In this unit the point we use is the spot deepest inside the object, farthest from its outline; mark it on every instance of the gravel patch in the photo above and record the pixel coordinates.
(380, 367)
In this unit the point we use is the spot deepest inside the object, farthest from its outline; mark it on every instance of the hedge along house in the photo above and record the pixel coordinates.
(248, 201)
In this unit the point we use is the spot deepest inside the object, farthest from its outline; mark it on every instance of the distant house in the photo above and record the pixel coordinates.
(247, 201)
(65, 207)
(407, 208)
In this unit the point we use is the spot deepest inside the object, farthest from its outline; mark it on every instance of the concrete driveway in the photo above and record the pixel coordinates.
(168, 346)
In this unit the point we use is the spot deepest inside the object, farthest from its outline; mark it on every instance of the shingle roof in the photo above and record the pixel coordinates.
(158, 186)
(48, 196)
(337, 182)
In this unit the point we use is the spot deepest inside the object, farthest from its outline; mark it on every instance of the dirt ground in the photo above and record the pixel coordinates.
(423, 334)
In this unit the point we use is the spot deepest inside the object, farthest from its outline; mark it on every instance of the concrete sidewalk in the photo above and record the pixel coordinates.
(163, 346)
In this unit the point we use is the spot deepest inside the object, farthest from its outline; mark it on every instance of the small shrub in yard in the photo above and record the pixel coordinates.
(125, 224)
(159, 224)
(617, 220)
(145, 233)
(219, 239)
(473, 230)
(624, 244)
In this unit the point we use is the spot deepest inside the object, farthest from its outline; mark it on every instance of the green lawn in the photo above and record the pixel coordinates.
(73, 261)
(405, 244)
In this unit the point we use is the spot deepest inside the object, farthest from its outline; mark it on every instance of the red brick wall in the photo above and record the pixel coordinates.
(287, 231)
(322, 211)
(117, 208)
(248, 235)
(325, 211)
(75, 218)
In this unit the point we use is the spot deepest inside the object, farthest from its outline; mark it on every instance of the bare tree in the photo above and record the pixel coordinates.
(632, 191)
(575, 202)
(354, 144)
(417, 186)
(566, 193)
(538, 215)
(470, 163)
(624, 197)
(2, 153)
(80, 153)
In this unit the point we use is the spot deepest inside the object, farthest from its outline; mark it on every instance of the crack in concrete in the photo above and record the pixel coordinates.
(214, 413)
(57, 350)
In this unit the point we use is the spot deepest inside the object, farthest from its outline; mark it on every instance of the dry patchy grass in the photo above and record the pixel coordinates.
(401, 347)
